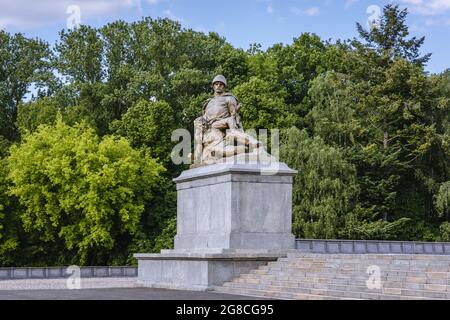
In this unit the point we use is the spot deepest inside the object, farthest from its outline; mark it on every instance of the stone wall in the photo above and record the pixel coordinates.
(60, 272)
(372, 246)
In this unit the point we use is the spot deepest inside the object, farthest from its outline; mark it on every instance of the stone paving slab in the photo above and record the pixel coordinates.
(117, 294)
(99, 289)
(62, 284)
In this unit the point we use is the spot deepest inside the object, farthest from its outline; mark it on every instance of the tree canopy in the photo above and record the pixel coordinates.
(86, 175)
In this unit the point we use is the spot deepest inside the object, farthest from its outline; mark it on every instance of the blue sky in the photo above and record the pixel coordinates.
(241, 22)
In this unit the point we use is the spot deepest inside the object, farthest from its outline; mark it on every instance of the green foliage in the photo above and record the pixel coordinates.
(8, 235)
(445, 231)
(333, 116)
(325, 187)
(4, 147)
(23, 62)
(148, 125)
(364, 224)
(80, 54)
(166, 239)
(442, 200)
(81, 189)
(32, 114)
(389, 38)
(262, 107)
(373, 156)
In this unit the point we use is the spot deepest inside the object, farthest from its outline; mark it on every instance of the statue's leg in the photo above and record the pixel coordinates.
(198, 140)
(240, 138)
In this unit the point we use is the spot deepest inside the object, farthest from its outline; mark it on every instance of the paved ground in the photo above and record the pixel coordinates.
(115, 294)
(99, 289)
(63, 284)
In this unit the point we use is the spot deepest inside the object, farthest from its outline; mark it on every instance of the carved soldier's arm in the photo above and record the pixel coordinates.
(233, 107)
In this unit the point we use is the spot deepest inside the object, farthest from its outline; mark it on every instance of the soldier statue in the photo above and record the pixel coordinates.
(219, 134)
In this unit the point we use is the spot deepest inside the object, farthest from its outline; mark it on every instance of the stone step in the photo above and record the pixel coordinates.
(362, 258)
(426, 290)
(285, 292)
(302, 296)
(375, 256)
(330, 276)
(435, 273)
(339, 279)
(278, 295)
(444, 265)
(331, 272)
(337, 276)
(362, 267)
(344, 291)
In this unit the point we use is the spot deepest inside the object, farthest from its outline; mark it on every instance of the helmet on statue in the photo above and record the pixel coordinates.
(220, 78)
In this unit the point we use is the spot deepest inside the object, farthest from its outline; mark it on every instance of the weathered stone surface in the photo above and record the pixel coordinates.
(199, 272)
(20, 273)
(372, 246)
(55, 272)
(37, 273)
(231, 218)
(340, 276)
(235, 206)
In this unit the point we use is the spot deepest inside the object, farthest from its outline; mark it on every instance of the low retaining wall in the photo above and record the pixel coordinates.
(312, 246)
(62, 272)
(372, 246)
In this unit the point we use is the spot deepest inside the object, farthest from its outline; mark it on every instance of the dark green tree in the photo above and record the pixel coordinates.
(389, 38)
(24, 62)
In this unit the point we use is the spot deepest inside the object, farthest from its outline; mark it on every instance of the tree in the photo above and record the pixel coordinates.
(34, 113)
(325, 187)
(263, 106)
(8, 233)
(389, 38)
(90, 193)
(4, 146)
(148, 125)
(374, 155)
(334, 116)
(442, 200)
(24, 62)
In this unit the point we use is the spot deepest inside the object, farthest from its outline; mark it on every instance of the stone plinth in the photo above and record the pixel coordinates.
(231, 206)
(196, 271)
(231, 218)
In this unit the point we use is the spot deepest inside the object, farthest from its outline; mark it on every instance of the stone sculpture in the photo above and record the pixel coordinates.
(234, 212)
(219, 134)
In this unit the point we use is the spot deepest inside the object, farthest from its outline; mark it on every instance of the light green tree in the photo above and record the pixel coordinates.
(75, 187)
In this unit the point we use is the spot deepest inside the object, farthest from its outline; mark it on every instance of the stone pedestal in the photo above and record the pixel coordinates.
(231, 218)
(196, 271)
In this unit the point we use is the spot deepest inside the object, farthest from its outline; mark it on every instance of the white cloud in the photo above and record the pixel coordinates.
(155, 2)
(25, 14)
(427, 7)
(171, 16)
(350, 3)
(270, 9)
(314, 11)
(437, 22)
